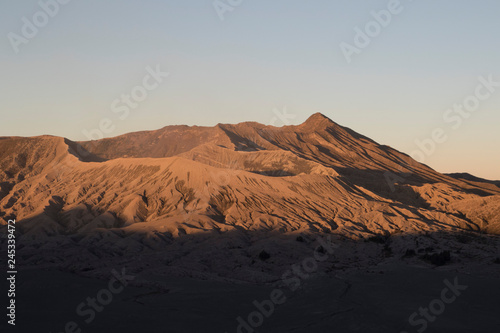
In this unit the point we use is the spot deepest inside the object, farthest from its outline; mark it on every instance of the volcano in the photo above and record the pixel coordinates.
(191, 197)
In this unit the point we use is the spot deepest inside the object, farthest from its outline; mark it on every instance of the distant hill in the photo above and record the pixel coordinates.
(469, 177)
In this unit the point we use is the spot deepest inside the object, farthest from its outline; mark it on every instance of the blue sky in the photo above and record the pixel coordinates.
(264, 55)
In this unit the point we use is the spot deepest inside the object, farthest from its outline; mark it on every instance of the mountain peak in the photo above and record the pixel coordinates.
(317, 119)
(317, 115)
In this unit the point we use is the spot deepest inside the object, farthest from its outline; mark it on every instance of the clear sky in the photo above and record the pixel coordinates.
(264, 56)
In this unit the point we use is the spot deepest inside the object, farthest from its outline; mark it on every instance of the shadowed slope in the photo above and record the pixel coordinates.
(316, 178)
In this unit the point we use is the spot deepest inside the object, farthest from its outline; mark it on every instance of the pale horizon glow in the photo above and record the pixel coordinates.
(263, 57)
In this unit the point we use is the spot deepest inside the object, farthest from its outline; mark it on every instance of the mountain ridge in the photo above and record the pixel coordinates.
(147, 190)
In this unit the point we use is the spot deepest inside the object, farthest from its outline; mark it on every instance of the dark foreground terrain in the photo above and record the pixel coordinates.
(377, 300)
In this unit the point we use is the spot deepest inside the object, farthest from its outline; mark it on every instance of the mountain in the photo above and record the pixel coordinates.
(189, 197)
(468, 177)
